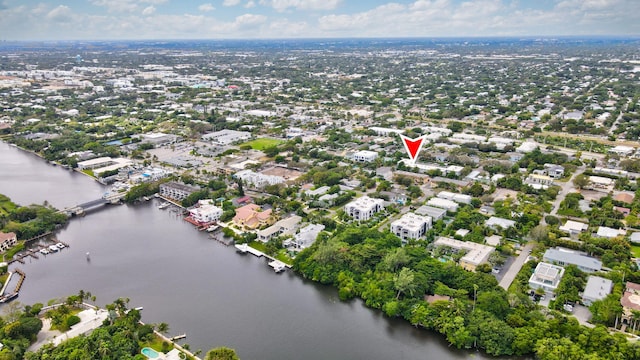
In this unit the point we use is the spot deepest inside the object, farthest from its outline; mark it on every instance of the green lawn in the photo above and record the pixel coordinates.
(263, 143)
(635, 251)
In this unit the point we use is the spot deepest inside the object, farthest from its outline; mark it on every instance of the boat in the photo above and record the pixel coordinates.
(146, 198)
(213, 228)
(163, 206)
(88, 257)
(7, 298)
(44, 251)
(60, 246)
(53, 248)
(242, 248)
(278, 266)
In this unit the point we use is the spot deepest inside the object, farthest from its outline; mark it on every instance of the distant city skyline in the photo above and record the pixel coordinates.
(269, 19)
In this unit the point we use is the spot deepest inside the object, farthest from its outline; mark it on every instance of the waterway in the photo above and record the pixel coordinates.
(197, 285)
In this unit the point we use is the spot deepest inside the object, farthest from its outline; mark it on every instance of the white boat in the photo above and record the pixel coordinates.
(44, 251)
(163, 206)
(53, 248)
(60, 246)
(277, 265)
(212, 228)
(243, 248)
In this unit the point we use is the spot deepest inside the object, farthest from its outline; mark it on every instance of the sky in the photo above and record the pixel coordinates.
(267, 19)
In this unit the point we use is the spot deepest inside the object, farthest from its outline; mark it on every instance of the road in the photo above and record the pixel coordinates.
(566, 188)
(514, 269)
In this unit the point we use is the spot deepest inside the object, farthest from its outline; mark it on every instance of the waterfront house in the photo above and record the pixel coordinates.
(205, 212)
(252, 217)
(7, 240)
(305, 237)
(286, 226)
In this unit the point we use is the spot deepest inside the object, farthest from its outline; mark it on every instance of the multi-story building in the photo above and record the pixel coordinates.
(546, 277)
(563, 257)
(411, 226)
(364, 156)
(363, 208)
(7, 240)
(177, 191)
(256, 180)
(205, 212)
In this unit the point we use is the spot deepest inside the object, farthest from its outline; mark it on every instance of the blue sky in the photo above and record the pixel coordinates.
(251, 19)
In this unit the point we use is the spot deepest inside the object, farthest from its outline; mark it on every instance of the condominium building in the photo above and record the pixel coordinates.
(546, 276)
(206, 212)
(177, 191)
(363, 208)
(411, 226)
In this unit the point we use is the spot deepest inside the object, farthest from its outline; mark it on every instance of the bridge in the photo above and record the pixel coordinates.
(108, 198)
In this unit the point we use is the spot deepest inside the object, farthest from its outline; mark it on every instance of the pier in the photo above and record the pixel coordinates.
(276, 264)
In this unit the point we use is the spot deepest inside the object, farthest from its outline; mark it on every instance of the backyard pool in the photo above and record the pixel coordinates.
(150, 353)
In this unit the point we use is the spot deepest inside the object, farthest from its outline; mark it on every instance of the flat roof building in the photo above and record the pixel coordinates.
(546, 276)
(411, 226)
(434, 212)
(177, 191)
(476, 253)
(363, 208)
(448, 205)
(564, 257)
(597, 288)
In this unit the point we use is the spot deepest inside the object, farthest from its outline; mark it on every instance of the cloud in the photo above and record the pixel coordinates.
(249, 20)
(230, 2)
(149, 10)
(250, 4)
(60, 14)
(206, 7)
(282, 5)
(116, 5)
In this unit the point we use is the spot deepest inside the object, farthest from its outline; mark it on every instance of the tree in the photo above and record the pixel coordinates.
(403, 282)
(221, 353)
(163, 327)
(581, 181)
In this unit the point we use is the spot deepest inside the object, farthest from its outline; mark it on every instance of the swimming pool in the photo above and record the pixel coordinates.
(150, 353)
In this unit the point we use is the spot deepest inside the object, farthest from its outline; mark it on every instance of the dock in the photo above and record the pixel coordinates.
(245, 248)
(178, 337)
(220, 238)
(276, 264)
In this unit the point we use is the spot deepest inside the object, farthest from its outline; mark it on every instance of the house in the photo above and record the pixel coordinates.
(363, 208)
(448, 205)
(610, 233)
(563, 257)
(286, 226)
(251, 216)
(258, 180)
(554, 171)
(433, 212)
(205, 212)
(7, 240)
(635, 237)
(622, 150)
(497, 222)
(630, 302)
(493, 240)
(546, 276)
(459, 198)
(624, 197)
(574, 227)
(177, 191)
(476, 254)
(306, 236)
(539, 181)
(599, 182)
(411, 226)
(597, 288)
(527, 147)
(364, 156)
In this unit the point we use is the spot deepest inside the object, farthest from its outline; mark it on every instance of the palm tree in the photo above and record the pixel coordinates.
(635, 316)
(403, 282)
(163, 327)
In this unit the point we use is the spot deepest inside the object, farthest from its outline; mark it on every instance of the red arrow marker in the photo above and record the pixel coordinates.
(413, 146)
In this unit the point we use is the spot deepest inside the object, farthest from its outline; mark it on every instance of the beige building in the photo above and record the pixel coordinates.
(476, 254)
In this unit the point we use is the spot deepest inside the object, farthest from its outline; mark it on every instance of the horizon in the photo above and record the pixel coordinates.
(137, 20)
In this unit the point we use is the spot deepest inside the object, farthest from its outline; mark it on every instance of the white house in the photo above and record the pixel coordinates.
(411, 226)
(476, 254)
(363, 208)
(443, 204)
(258, 180)
(206, 212)
(495, 222)
(546, 276)
(364, 156)
(306, 236)
(7, 240)
(597, 288)
(574, 227)
(459, 198)
(282, 227)
(610, 233)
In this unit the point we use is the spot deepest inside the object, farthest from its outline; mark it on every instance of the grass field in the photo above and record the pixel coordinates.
(635, 251)
(263, 143)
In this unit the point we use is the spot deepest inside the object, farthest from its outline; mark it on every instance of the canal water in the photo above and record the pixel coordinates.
(197, 285)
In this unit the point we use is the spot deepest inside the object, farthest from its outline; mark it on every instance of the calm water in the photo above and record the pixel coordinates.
(196, 285)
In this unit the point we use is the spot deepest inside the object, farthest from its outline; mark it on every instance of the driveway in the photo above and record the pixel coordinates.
(513, 270)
